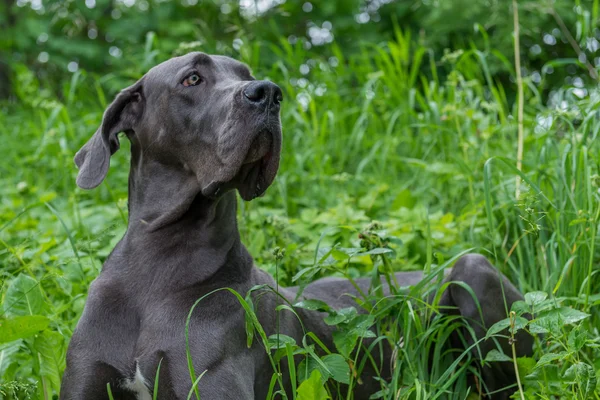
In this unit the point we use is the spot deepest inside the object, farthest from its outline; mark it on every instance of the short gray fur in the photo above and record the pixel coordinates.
(191, 148)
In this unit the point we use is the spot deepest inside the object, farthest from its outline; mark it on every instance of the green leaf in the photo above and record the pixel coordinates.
(340, 371)
(279, 341)
(496, 356)
(21, 327)
(520, 307)
(554, 320)
(519, 323)
(7, 351)
(313, 304)
(376, 251)
(577, 339)
(23, 297)
(584, 376)
(249, 322)
(361, 324)
(535, 298)
(306, 273)
(498, 327)
(345, 342)
(346, 337)
(550, 357)
(307, 366)
(50, 348)
(312, 388)
(570, 315)
(526, 366)
(340, 316)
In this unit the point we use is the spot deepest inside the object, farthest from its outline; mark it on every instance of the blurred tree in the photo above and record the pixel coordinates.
(54, 38)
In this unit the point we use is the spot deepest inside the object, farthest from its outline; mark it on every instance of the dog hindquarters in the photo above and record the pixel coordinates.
(495, 295)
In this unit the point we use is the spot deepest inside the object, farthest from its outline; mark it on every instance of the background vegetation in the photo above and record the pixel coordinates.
(400, 146)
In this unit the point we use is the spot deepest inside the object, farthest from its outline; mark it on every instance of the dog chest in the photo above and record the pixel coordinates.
(138, 385)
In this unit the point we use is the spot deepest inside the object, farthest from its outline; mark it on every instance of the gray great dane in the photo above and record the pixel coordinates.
(201, 127)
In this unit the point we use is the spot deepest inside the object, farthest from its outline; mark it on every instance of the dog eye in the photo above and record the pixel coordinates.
(192, 80)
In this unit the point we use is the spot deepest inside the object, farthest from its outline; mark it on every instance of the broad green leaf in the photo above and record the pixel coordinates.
(313, 304)
(21, 327)
(550, 357)
(498, 327)
(7, 350)
(23, 297)
(340, 371)
(495, 356)
(307, 366)
(312, 388)
(50, 347)
(361, 324)
(526, 366)
(520, 308)
(519, 323)
(346, 337)
(570, 315)
(310, 363)
(345, 342)
(577, 339)
(279, 341)
(553, 320)
(535, 298)
(584, 376)
(342, 253)
(334, 319)
(340, 316)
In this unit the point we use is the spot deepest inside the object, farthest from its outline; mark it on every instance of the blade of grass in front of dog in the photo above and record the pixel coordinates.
(110, 395)
(257, 326)
(448, 378)
(155, 394)
(292, 367)
(270, 394)
(319, 342)
(261, 332)
(188, 353)
(195, 385)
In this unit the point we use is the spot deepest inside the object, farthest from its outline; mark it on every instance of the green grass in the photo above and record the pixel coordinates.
(422, 144)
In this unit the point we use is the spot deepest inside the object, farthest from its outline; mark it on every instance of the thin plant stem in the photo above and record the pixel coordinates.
(514, 353)
(517, 49)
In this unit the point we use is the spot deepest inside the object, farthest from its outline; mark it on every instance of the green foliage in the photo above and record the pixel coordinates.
(398, 155)
(119, 37)
(312, 388)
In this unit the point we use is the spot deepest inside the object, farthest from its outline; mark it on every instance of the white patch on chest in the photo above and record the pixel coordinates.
(138, 385)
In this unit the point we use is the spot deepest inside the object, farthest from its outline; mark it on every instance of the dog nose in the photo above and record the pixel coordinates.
(263, 93)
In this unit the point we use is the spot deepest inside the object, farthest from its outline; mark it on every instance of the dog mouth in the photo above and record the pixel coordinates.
(255, 172)
(260, 147)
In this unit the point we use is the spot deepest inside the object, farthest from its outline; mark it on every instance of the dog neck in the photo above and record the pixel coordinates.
(179, 234)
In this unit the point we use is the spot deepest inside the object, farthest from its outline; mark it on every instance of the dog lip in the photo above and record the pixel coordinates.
(212, 189)
(256, 176)
(260, 147)
(257, 170)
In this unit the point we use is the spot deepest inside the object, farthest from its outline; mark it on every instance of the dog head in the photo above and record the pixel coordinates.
(204, 115)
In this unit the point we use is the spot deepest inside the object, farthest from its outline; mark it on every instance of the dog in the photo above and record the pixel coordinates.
(201, 128)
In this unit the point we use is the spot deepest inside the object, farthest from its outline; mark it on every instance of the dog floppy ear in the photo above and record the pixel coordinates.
(121, 115)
